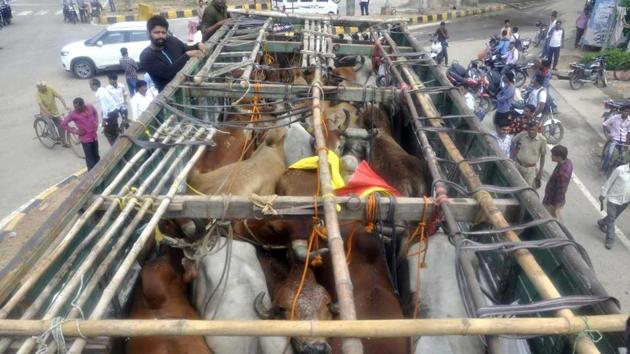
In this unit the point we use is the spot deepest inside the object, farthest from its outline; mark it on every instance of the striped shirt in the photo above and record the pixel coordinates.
(130, 67)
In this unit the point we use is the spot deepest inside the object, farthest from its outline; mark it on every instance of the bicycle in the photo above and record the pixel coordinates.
(618, 157)
(48, 135)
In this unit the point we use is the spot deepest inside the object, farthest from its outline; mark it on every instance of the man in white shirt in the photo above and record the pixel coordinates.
(118, 93)
(512, 55)
(538, 96)
(109, 110)
(556, 41)
(616, 191)
(504, 139)
(142, 99)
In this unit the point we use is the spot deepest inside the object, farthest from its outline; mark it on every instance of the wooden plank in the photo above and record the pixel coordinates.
(352, 208)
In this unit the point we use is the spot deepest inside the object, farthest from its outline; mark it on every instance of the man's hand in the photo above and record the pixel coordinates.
(195, 53)
(202, 47)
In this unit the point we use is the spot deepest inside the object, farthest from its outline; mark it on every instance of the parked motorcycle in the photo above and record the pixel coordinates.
(552, 128)
(614, 107)
(541, 35)
(5, 13)
(592, 72)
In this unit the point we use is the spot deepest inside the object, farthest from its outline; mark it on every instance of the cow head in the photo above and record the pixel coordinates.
(313, 304)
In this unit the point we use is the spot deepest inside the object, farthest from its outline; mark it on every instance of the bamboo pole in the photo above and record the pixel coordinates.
(205, 69)
(48, 260)
(305, 44)
(343, 283)
(123, 269)
(104, 264)
(344, 329)
(525, 259)
(254, 53)
(68, 290)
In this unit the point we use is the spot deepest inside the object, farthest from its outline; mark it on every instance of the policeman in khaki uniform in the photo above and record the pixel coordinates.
(529, 148)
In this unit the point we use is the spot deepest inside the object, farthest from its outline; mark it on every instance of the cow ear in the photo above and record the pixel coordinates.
(190, 270)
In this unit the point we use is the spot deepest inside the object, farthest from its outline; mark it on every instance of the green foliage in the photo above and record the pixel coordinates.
(624, 3)
(616, 59)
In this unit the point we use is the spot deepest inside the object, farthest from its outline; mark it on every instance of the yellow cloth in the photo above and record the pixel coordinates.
(47, 99)
(311, 163)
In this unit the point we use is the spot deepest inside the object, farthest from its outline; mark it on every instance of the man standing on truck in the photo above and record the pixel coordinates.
(616, 192)
(213, 17)
(530, 148)
(48, 108)
(166, 55)
(85, 121)
(558, 184)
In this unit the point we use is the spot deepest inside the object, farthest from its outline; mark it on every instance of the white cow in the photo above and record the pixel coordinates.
(233, 298)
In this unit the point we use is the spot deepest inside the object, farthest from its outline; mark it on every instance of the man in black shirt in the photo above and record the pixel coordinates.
(166, 55)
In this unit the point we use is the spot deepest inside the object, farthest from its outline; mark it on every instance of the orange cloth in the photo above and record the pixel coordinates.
(365, 181)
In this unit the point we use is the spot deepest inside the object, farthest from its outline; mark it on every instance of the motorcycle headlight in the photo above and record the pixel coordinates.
(64, 53)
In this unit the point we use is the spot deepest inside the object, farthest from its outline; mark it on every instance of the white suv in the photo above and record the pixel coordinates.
(315, 7)
(102, 52)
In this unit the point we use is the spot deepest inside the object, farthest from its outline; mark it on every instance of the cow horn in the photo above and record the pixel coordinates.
(346, 121)
(259, 307)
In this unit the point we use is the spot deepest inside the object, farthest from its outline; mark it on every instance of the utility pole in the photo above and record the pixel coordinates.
(350, 7)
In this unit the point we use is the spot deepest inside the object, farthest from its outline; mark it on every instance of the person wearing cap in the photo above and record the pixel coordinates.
(504, 100)
(46, 99)
(529, 148)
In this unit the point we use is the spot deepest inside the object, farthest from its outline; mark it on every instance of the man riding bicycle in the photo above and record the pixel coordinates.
(48, 109)
(617, 131)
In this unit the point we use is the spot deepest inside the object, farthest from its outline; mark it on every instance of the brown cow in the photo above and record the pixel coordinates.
(401, 170)
(161, 294)
(374, 296)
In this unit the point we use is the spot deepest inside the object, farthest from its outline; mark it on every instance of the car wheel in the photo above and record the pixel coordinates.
(83, 68)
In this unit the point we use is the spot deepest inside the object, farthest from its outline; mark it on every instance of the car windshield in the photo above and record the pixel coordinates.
(94, 39)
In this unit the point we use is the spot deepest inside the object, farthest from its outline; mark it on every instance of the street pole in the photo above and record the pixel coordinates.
(350, 7)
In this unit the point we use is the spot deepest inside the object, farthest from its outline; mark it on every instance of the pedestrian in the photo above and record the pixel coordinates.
(506, 27)
(213, 17)
(46, 99)
(528, 149)
(166, 55)
(556, 41)
(118, 93)
(109, 110)
(552, 25)
(504, 139)
(364, 4)
(616, 193)
(504, 100)
(511, 58)
(502, 47)
(112, 6)
(130, 67)
(537, 97)
(85, 121)
(558, 184)
(580, 25)
(442, 36)
(142, 99)
(516, 39)
(617, 132)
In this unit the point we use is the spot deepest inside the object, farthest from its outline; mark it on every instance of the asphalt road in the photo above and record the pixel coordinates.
(30, 52)
(580, 113)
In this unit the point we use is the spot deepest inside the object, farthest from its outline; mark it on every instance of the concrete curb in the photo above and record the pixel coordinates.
(8, 224)
(413, 20)
(105, 20)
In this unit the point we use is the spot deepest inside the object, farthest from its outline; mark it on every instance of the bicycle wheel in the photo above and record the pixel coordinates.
(76, 146)
(43, 133)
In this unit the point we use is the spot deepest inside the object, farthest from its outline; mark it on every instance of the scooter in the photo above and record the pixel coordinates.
(437, 53)
(592, 72)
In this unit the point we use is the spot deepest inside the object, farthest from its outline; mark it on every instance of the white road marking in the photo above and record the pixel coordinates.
(24, 13)
(595, 203)
(41, 13)
(58, 12)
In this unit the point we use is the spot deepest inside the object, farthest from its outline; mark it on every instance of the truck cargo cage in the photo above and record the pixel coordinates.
(501, 250)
